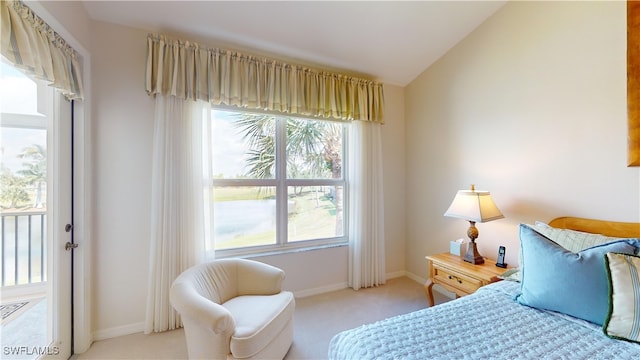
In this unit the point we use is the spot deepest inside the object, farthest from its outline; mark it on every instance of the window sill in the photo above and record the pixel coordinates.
(255, 253)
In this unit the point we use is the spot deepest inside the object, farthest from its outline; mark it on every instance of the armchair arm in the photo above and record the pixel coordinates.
(190, 304)
(256, 278)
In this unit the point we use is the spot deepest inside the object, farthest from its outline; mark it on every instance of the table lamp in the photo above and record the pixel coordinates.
(473, 206)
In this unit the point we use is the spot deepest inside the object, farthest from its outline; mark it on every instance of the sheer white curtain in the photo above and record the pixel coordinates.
(179, 220)
(366, 206)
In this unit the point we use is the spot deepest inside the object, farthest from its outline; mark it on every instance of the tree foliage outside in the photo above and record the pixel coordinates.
(259, 132)
(14, 190)
(25, 187)
(313, 151)
(314, 148)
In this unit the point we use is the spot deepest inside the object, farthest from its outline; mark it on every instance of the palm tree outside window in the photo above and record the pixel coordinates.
(278, 181)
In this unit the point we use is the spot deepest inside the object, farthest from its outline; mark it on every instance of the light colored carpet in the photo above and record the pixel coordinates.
(317, 319)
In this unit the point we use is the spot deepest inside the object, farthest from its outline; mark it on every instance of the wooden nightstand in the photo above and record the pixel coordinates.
(458, 276)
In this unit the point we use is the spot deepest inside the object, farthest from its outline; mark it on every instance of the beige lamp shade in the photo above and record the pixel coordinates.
(472, 205)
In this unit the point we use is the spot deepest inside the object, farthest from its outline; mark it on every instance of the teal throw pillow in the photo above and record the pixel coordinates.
(556, 279)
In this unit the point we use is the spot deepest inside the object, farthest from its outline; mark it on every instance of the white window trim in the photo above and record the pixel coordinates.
(281, 182)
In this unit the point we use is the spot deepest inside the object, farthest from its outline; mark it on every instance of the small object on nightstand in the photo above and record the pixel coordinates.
(500, 262)
(458, 247)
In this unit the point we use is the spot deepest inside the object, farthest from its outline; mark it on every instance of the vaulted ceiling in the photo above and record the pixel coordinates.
(390, 41)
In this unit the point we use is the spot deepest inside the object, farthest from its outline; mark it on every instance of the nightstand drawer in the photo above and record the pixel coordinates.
(455, 279)
(458, 276)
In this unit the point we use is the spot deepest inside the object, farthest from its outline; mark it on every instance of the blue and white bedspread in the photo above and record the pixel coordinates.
(486, 325)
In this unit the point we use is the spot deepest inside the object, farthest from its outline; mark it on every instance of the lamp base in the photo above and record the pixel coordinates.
(472, 255)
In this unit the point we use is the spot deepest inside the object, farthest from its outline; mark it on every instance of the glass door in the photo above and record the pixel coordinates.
(35, 206)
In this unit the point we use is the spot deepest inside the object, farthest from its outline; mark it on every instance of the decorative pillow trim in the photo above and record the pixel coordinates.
(623, 319)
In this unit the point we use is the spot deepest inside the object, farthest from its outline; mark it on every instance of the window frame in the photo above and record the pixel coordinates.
(281, 183)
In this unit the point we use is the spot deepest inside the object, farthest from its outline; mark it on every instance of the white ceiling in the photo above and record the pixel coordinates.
(391, 41)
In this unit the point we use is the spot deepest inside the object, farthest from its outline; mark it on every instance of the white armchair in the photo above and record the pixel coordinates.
(234, 309)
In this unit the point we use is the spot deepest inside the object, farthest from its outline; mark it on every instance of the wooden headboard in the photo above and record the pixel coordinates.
(608, 228)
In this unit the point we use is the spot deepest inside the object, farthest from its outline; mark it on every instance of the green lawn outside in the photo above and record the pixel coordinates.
(313, 215)
(235, 193)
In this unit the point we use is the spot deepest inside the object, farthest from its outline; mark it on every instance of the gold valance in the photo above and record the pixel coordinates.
(34, 47)
(189, 71)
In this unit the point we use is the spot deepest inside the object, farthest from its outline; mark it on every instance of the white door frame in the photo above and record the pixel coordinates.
(59, 214)
(82, 273)
(83, 336)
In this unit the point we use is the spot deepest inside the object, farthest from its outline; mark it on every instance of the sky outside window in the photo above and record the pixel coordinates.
(18, 95)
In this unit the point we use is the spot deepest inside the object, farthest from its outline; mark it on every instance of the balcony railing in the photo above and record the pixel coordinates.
(24, 247)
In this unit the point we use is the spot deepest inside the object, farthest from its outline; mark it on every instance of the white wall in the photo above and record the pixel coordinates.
(532, 107)
(123, 132)
(393, 145)
(71, 15)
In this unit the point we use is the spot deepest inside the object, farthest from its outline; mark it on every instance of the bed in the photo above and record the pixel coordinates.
(493, 323)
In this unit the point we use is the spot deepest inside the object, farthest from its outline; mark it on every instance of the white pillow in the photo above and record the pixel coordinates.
(623, 319)
(572, 240)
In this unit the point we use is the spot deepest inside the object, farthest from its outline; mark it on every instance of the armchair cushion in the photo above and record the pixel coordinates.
(259, 320)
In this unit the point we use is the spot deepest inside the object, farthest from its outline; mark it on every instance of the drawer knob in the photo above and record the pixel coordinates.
(451, 277)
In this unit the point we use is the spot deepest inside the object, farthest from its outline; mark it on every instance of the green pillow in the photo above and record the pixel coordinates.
(623, 320)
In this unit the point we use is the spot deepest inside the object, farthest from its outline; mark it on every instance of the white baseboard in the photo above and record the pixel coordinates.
(340, 286)
(415, 277)
(139, 327)
(396, 274)
(118, 331)
(320, 290)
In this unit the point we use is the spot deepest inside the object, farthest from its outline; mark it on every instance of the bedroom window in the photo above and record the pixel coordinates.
(278, 182)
